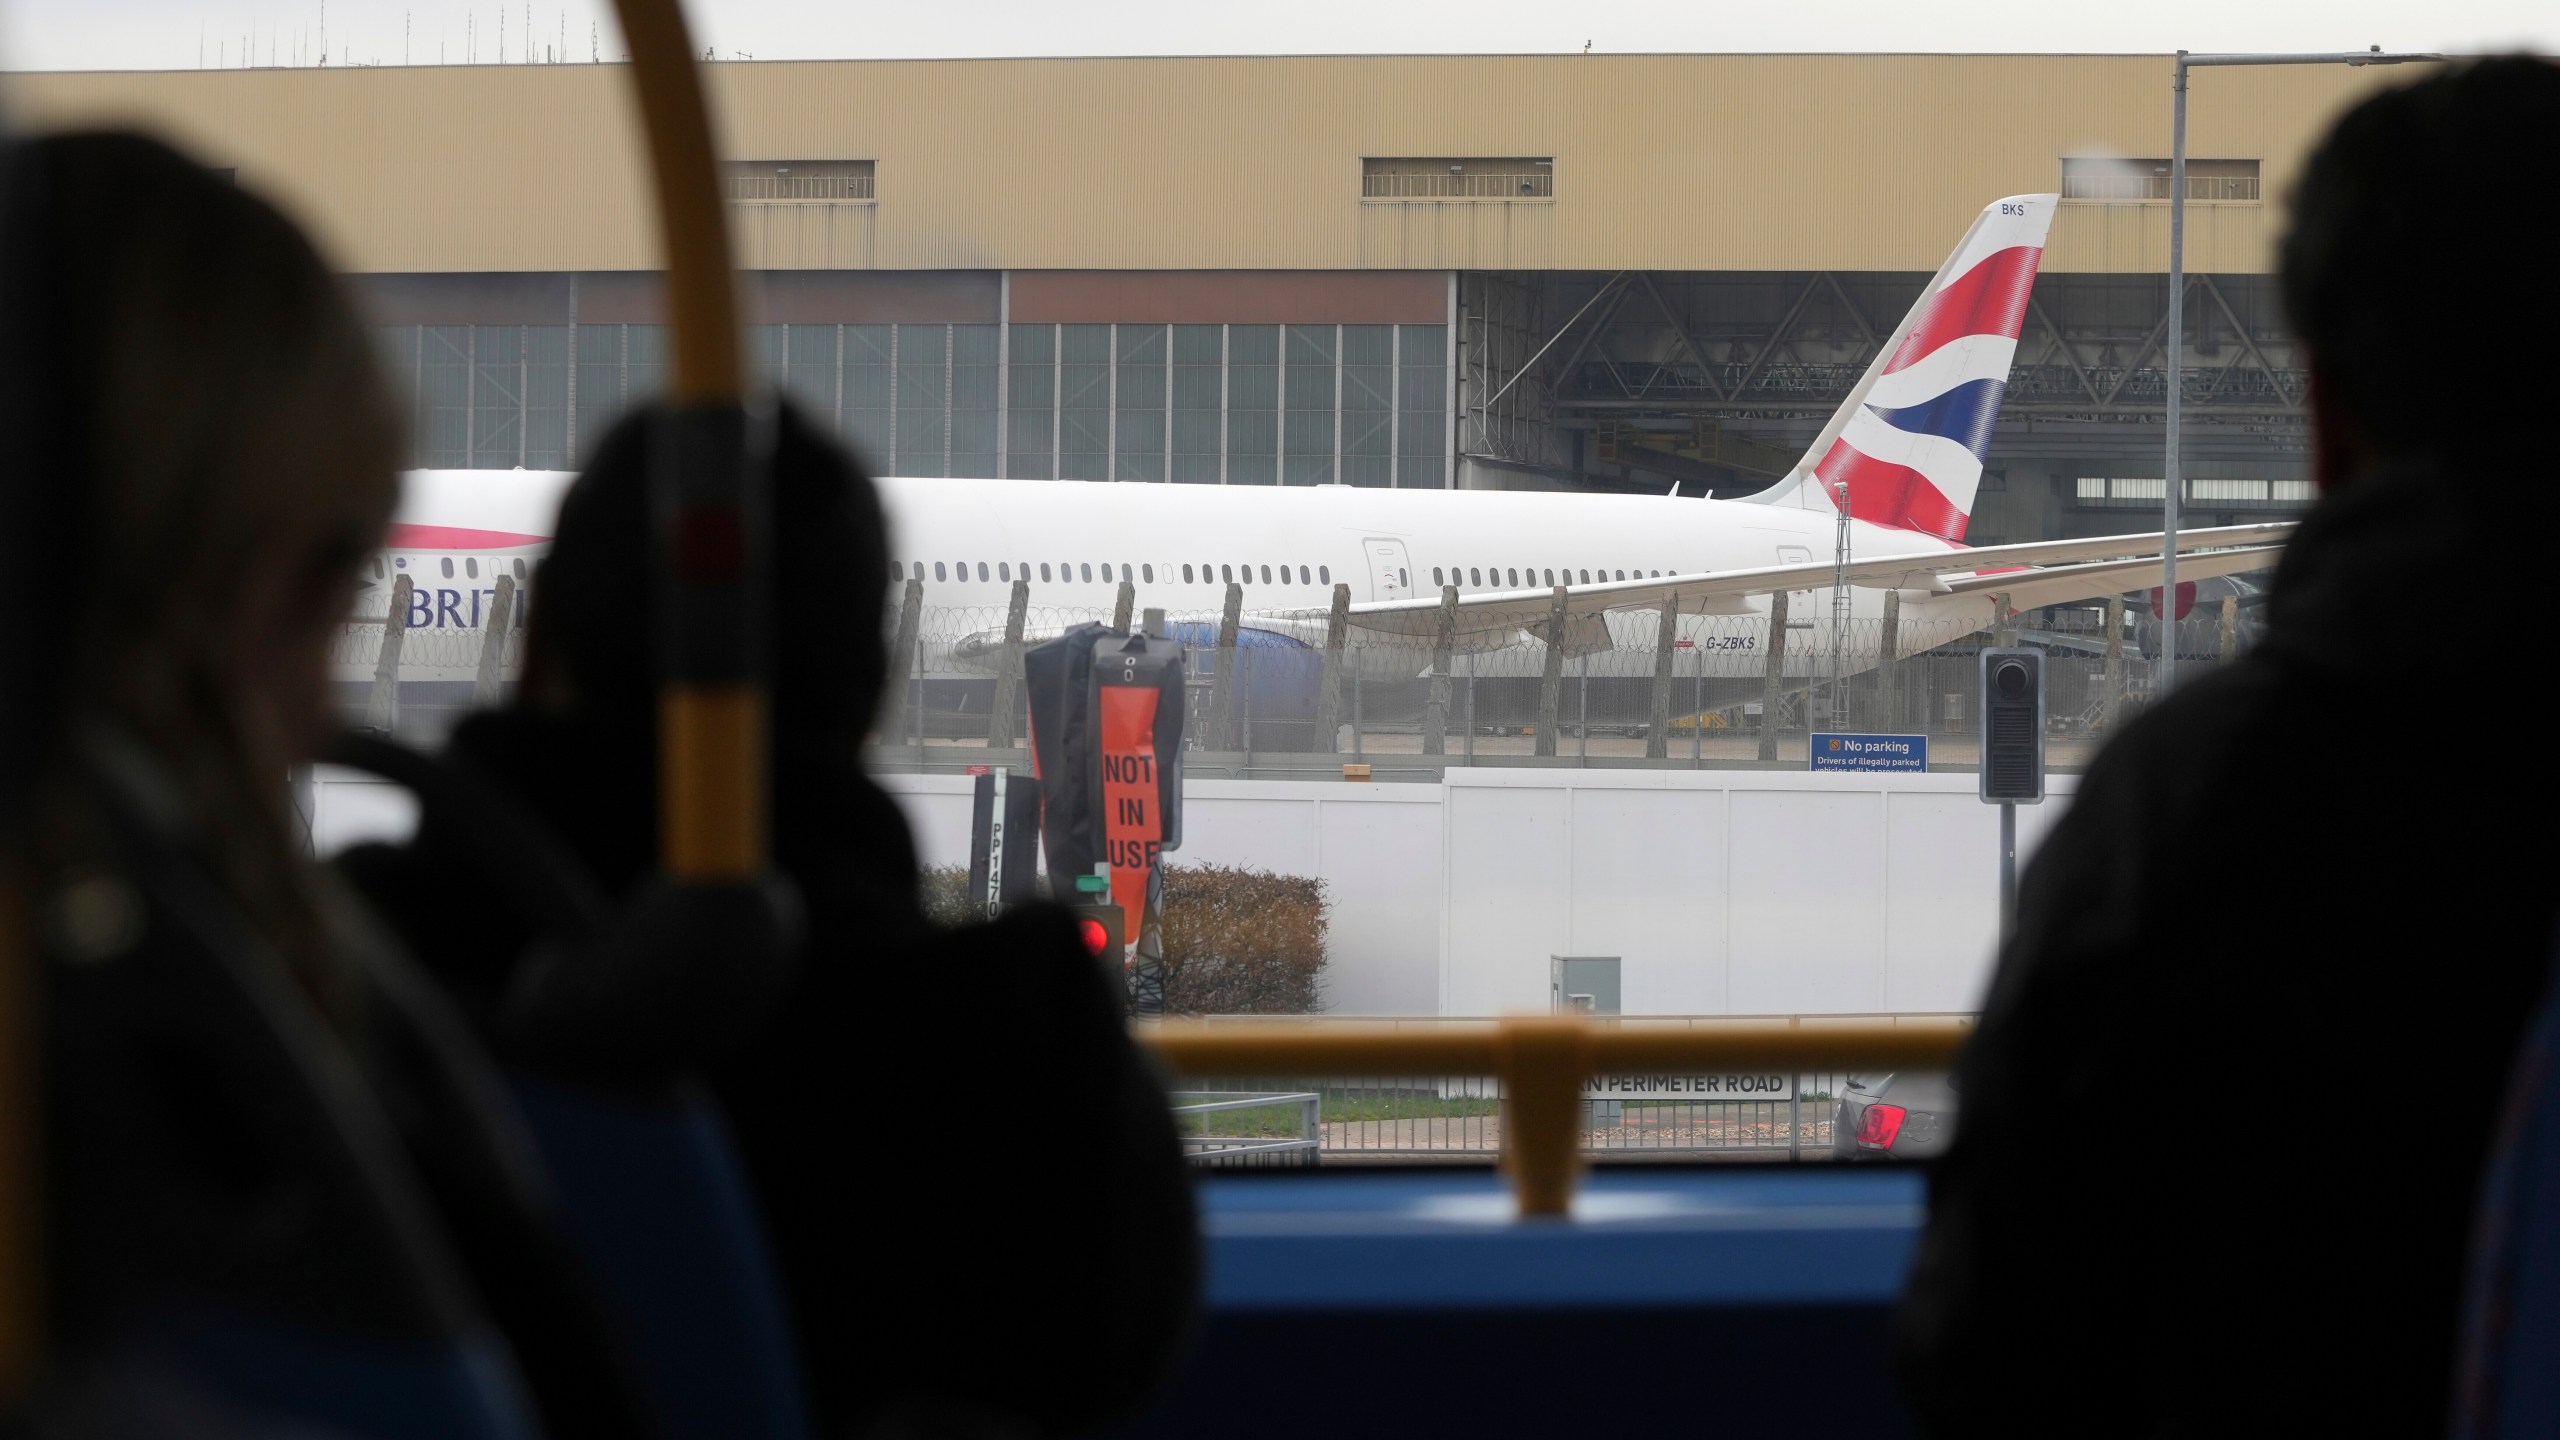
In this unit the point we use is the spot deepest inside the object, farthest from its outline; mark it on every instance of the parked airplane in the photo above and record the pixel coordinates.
(1904, 452)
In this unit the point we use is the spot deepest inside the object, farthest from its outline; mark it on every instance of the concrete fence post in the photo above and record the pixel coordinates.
(1124, 606)
(1551, 679)
(2004, 621)
(2111, 699)
(1337, 634)
(1435, 716)
(1888, 642)
(1773, 682)
(1666, 643)
(2230, 646)
(905, 684)
(1222, 688)
(383, 713)
(493, 642)
(1008, 703)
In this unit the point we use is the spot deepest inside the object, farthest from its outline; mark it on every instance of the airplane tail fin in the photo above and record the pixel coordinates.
(1909, 440)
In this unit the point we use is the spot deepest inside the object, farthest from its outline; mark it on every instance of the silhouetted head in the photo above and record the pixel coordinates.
(2418, 271)
(591, 653)
(235, 450)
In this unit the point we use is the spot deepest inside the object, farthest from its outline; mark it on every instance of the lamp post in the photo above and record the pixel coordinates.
(2177, 340)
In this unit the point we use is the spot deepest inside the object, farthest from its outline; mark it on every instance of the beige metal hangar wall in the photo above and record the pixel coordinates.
(1676, 163)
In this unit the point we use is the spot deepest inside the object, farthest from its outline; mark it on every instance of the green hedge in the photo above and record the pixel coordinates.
(1236, 941)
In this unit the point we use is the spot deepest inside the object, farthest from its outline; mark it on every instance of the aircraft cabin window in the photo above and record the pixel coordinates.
(1266, 572)
(447, 563)
(1402, 579)
(982, 569)
(1476, 576)
(1044, 572)
(1088, 571)
(1125, 575)
(471, 568)
(1551, 577)
(1325, 573)
(898, 570)
(1186, 572)
(1305, 578)
(1227, 573)
(937, 568)
(1436, 580)
(377, 567)
(1586, 575)
(519, 570)
(1003, 571)
(1148, 572)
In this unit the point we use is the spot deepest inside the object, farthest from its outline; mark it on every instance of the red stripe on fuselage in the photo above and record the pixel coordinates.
(458, 537)
(1896, 497)
(1989, 299)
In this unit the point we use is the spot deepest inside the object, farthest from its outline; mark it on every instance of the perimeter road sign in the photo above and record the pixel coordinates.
(1869, 752)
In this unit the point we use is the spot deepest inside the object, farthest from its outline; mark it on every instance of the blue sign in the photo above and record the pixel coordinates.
(1870, 752)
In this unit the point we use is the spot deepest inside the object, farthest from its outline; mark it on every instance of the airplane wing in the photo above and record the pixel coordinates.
(2044, 572)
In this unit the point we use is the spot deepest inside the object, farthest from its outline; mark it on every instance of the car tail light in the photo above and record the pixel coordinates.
(1878, 1127)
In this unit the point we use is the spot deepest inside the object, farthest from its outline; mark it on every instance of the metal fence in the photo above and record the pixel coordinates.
(1460, 1118)
(1609, 702)
(799, 187)
(1460, 185)
(2156, 187)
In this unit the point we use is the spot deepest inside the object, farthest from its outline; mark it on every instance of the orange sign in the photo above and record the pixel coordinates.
(1132, 797)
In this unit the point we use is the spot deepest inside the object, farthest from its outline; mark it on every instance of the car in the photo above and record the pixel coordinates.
(1894, 1117)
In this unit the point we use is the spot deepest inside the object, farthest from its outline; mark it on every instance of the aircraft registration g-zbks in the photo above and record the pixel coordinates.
(1904, 452)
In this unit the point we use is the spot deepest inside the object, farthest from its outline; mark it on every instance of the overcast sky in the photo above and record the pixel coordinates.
(171, 34)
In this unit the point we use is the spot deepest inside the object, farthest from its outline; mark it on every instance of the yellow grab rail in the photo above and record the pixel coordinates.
(1542, 1061)
(711, 768)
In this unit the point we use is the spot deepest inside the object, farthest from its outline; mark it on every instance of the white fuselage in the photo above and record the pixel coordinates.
(1180, 545)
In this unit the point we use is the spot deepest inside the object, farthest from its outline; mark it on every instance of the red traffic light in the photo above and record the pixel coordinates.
(1095, 934)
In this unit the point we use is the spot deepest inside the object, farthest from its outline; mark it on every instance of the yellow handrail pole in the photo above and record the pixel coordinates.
(1542, 1061)
(22, 1306)
(711, 735)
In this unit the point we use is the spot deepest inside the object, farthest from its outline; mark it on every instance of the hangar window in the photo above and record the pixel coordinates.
(769, 181)
(2105, 178)
(1519, 177)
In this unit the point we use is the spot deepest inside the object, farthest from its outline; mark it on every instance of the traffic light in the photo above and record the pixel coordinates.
(2013, 726)
(1098, 925)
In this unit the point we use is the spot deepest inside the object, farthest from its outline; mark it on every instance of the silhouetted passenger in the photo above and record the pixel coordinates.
(2225, 1116)
(267, 1137)
(973, 1187)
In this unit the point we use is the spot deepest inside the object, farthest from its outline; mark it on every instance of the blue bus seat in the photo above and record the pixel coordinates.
(659, 1208)
(2507, 1384)
(1733, 1300)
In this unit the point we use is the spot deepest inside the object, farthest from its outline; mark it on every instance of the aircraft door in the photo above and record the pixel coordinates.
(1390, 574)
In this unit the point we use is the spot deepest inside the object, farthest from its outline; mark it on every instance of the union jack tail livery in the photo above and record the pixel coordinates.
(1909, 440)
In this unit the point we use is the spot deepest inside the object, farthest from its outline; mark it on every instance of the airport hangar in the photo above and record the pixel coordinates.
(1608, 272)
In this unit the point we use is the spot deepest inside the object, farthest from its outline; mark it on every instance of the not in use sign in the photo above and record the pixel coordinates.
(1870, 752)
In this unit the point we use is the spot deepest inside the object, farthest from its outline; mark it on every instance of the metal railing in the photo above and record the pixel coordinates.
(1259, 1129)
(798, 187)
(1460, 185)
(2156, 187)
(1542, 1112)
(1714, 714)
